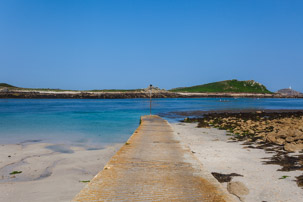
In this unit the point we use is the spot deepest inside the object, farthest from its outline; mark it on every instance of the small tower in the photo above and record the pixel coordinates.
(289, 87)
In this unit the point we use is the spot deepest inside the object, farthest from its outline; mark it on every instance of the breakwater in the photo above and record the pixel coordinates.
(153, 165)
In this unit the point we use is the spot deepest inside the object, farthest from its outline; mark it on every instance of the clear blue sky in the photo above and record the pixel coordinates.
(73, 44)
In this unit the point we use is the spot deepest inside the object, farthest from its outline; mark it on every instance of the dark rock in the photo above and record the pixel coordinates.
(225, 177)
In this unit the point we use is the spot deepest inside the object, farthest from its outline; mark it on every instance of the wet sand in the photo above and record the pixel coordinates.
(48, 172)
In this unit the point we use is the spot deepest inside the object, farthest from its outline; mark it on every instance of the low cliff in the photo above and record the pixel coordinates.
(128, 95)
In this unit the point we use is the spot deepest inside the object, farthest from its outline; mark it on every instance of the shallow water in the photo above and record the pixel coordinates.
(84, 121)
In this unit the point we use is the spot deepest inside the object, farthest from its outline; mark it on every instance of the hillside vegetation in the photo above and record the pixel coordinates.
(228, 86)
(5, 85)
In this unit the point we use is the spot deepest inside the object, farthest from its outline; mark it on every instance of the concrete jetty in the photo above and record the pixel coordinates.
(153, 166)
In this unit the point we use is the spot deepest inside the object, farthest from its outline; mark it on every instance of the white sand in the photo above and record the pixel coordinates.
(211, 148)
(51, 176)
(48, 175)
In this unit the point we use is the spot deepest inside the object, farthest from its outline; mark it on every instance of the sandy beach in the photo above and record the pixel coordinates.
(213, 148)
(49, 172)
(57, 172)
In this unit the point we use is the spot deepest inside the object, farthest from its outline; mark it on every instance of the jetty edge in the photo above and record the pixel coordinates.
(153, 165)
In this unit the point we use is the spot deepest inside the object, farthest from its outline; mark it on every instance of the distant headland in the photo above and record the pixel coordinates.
(227, 88)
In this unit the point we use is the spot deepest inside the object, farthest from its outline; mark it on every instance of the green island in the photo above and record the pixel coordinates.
(228, 86)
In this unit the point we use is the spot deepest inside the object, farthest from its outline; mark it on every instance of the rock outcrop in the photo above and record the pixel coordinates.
(289, 92)
(285, 129)
(4, 90)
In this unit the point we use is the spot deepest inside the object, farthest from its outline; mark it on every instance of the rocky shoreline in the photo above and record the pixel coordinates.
(248, 173)
(277, 132)
(128, 95)
(84, 95)
(281, 128)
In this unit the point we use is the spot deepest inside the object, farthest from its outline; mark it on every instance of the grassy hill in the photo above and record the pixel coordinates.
(228, 86)
(5, 85)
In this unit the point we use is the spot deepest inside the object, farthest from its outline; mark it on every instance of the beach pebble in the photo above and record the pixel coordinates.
(292, 147)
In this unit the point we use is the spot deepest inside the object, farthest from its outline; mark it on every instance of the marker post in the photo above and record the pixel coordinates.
(150, 96)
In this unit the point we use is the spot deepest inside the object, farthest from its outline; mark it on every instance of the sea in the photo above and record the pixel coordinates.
(105, 121)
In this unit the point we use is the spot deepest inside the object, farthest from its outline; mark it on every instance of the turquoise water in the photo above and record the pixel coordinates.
(82, 121)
